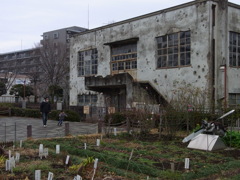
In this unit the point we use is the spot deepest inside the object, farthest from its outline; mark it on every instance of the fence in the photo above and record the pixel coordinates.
(20, 130)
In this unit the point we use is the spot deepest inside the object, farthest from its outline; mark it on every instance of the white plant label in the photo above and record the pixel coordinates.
(9, 154)
(67, 159)
(95, 163)
(20, 144)
(57, 149)
(37, 174)
(17, 158)
(85, 146)
(186, 163)
(7, 164)
(77, 177)
(45, 152)
(115, 131)
(98, 142)
(50, 176)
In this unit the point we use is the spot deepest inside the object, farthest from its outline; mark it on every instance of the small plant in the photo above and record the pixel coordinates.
(74, 168)
(2, 161)
(87, 161)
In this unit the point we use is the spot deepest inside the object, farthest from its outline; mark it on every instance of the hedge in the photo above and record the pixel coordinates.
(71, 115)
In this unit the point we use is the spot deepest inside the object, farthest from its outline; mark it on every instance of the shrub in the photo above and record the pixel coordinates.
(72, 116)
(232, 139)
(115, 118)
(6, 105)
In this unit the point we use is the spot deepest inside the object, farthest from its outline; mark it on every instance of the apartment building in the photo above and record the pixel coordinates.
(160, 57)
(27, 61)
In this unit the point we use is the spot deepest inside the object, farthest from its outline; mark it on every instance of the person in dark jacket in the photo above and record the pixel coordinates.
(45, 108)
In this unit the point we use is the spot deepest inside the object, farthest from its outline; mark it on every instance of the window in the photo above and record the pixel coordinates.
(234, 99)
(88, 62)
(234, 49)
(84, 100)
(173, 50)
(55, 35)
(124, 57)
(45, 37)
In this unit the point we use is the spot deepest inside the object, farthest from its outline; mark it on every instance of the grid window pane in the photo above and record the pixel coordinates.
(175, 51)
(234, 49)
(87, 62)
(124, 57)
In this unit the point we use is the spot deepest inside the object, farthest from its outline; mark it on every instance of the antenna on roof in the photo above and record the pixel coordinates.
(88, 15)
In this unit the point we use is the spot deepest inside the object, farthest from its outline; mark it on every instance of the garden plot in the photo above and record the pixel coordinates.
(118, 157)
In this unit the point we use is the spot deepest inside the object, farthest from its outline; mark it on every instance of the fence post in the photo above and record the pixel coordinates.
(29, 131)
(66, 129)
(15, 133)
(9, 112)
(100, 125)
(5, 132)
(128, 126)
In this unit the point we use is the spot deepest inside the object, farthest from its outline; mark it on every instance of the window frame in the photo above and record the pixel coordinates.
(234, 97)
(87, 99)
(87, 62)
(234, 49)
(123, 57)
(174, 50)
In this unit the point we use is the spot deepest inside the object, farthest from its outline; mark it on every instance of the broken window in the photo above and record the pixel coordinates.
(88, 62)
(86, 99)
(173, 50)
(124, 57)
(234, 49)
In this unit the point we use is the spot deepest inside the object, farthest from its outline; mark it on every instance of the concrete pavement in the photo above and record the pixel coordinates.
(15, 128)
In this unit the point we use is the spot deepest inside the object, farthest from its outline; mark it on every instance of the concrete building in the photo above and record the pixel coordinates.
(27, 62)
(160, 57)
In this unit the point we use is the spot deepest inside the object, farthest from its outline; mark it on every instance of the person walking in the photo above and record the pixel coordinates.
(62, 116)
(45, 108)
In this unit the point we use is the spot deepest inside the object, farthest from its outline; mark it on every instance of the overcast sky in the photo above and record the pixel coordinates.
(22, 22)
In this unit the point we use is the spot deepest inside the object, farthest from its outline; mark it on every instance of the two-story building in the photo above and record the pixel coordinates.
(150, 58)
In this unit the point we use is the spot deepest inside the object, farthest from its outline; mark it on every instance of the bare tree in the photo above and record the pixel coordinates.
(7, 78)
(54, 62)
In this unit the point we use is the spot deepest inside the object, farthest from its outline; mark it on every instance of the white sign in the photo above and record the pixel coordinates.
(98, 142)
(50, 176)
(77, 177)
(95, 163)
(186, 163)
(37, 174)
(67, 159)
(45, 152)
(41, 151)
(17, 157)
(115, 131)
(57, 149)
(9, 154)
(7, 164)
(85, 146)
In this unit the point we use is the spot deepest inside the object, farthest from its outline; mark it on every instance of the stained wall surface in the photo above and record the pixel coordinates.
(202, 73)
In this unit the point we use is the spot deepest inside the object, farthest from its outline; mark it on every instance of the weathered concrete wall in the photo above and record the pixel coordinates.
(195, 16)
(233, 74)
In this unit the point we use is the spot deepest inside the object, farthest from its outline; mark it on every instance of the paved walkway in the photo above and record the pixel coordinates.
(15, 128)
